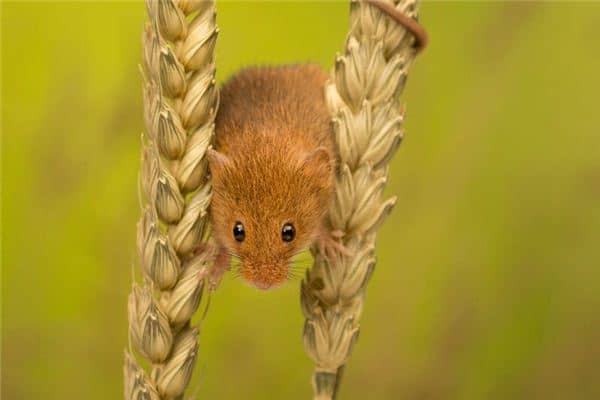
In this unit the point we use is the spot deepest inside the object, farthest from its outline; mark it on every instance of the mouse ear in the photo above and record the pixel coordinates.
(318, 164)
(217, 161)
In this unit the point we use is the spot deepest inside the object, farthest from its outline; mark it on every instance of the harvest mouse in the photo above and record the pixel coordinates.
(272, 170)
(273, 166)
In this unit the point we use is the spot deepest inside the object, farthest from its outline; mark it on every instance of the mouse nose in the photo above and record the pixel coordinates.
(264, 275)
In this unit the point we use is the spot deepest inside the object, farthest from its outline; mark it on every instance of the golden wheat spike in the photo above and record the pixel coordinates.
(180, 103)
(363, 98)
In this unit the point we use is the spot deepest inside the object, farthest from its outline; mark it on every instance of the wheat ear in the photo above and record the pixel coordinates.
(180, 102)
(363, 98)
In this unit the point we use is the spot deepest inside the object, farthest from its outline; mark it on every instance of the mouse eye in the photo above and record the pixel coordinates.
(238, 232)
(288, 233)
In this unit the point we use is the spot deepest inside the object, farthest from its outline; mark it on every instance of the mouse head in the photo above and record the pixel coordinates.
(268, 207)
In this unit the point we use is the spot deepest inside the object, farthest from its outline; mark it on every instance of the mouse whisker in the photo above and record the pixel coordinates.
(293, 276)
(303, 263)
(300, 264)
(300, 252)
(236, 273)
(297, 269)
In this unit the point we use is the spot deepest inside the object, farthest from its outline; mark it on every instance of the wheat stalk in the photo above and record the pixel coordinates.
(180, 102)
(363, 98)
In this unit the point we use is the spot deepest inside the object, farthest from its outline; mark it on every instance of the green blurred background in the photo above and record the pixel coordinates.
(488, 281)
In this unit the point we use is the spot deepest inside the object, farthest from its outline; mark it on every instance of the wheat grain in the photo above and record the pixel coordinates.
(363, 98)
(180, 102)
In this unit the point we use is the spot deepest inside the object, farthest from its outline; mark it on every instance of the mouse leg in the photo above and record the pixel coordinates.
(330, 245)
(221, 264)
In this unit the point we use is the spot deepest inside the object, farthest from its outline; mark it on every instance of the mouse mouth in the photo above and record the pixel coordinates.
(265, 276)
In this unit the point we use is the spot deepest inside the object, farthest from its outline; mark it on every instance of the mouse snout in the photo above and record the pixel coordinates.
(264, 275)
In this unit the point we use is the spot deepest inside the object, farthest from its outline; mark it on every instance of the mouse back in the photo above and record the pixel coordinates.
(285, 102)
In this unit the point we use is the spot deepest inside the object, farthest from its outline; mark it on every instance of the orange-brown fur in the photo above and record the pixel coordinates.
(274, 163)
